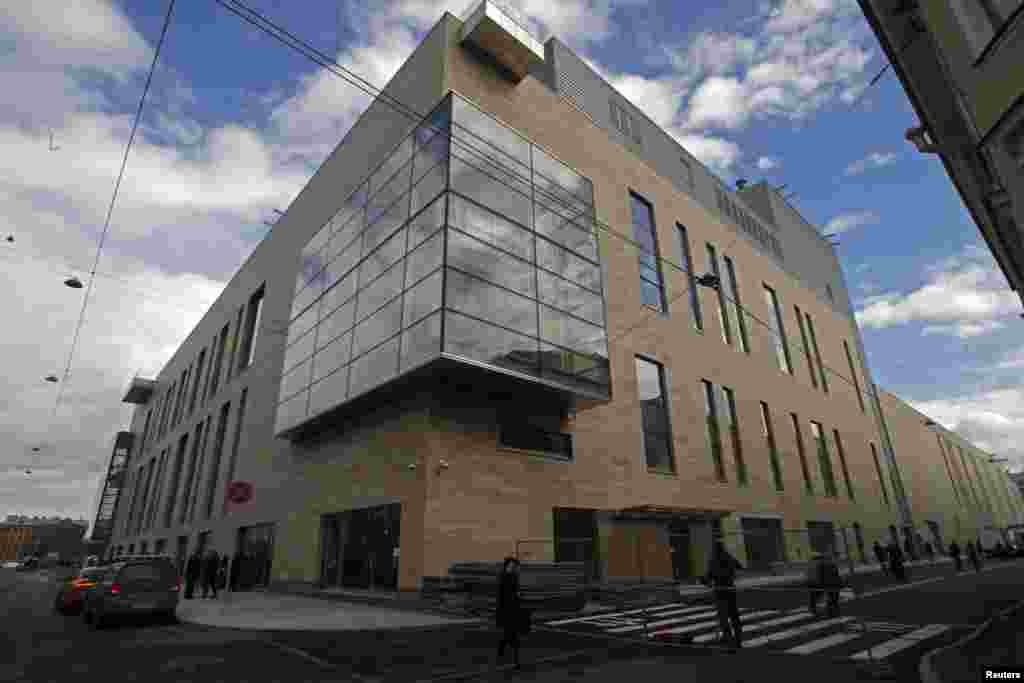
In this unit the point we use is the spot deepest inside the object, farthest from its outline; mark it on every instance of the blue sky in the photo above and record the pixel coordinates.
(235, 124)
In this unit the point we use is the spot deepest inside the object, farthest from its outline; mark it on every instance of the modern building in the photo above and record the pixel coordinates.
(959, 62)
(511, 315)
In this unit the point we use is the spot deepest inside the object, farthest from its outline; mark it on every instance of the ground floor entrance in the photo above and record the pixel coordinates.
(254, 557)
(360, 548)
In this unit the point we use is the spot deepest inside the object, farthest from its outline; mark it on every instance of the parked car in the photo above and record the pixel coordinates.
(72, 592)
(144, 585)
(11, 565)
(28, 563)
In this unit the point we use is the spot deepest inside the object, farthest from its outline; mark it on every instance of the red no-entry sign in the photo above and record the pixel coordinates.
(239, 492)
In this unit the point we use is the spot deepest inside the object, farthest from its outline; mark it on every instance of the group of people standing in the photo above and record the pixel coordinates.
(892, 559)
(211, 573)
(974, 555)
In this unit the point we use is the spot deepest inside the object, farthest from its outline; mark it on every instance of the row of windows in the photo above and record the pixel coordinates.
(722, 425)
(974, 492)
(171, 501)
(749, 224)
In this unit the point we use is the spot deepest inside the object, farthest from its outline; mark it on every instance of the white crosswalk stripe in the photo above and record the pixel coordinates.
(899, 643)
(709, 623)
(822, 643)
(761, 626)
(793, 632)
(704, 613)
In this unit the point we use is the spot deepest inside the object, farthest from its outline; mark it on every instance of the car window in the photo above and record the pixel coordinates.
(91, 574)
(146, 573)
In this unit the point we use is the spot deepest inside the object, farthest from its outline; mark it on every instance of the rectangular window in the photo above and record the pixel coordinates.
(172, 489)
(967, 476)
(842, 462)
(623, 122)
(732, 425)
(161, 485)
(239, 424)
(179, 400)
(723, 311)
(824, 462)
(254, 311)
(652, 290)
(200, 367)
(806, 346)
(878, 471)
(817, 353)
(218, 359)
(804, 469)
(526, 437)
(778, 330)
(218, 449)
(236, 342)
(947, 456)
(657, 432)
(197, 483)
(193, 463)
(853, 374)
(711, 429)
(736, 304)
(145, 431)
(773, 452)
(691, 277)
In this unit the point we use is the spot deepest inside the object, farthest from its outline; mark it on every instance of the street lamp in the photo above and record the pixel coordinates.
(74, 283)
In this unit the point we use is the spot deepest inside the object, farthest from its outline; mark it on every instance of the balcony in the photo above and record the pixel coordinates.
(490, 28)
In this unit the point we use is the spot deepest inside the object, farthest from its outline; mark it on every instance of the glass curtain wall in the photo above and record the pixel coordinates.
(516, 272)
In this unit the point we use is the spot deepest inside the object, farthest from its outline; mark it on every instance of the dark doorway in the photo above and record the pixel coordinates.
(359, 548)
(763, 540)
(576, 539)
(822, 537)
(182, 553)
(679, 546)
(256, 545)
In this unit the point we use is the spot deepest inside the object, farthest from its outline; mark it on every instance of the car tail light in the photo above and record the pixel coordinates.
(115, 589)
(79, 584)
(177, 586)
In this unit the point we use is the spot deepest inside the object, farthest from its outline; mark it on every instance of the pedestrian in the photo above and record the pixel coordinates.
(509, 613)
(211, 563)
(896, 566)
(954, 552)
(824, 578)
(881, 557)
(236, 570)
(972, 555)
(721, 575)
(929, 552)
(193, 569)
(222, 573)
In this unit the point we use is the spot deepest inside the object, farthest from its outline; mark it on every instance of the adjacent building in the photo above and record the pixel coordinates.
(959, 62)
(511, 315)
(58, 538)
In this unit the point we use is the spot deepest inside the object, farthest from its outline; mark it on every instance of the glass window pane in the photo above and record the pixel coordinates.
(648, 376)
(383, 258)
(301, 325)
(558, 328)
(319, 240)
(374, 368)
(389, 167)
(305, 298)
(427, 187)
(378, 327)
(344, 237)
(657, 451)
(426, 223)
(329, 359)
(490, 227)
(480, 131)
(300, 350)
(568, 266)
(422, 299)
(493, 188)
(650, 295)
(312, 263)
(483, 300)
(575, 369)
(477, 258)
(437, 121)
(568, 230)
(344, 262)
(291, 412)
(379, 292)
(572, 298)
(296, 380)
(479, 341)
(553, 176)
(421, 341)
(430, 155)
(425, 259)
(383, 223)
(336, 324)
(328, 392)
(337, 295)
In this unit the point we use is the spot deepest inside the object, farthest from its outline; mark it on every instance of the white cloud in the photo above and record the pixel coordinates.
(873, 160)
(991, 420)
(966, 300)
(847, 221)
(768, 163)
(715, 152)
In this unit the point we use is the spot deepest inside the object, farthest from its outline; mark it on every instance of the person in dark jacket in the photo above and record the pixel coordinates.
(509, 612)
(211, 563)
(972, 555)
(236, 570)
(954, 552)
(721, 576)
(193, 569)
(929, 552)
(880, 556)
(222, 573)
(824, 578)
(896, 562)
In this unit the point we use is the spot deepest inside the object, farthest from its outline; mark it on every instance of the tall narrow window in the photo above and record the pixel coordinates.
(145, 431)
(797, 433)
(253, 313)
(982, 484)
(657, 434)
(691, 277)
(773, 451)
(218, 359)
(824, 462)
(218, 449)
(711, 429)
(778, 330)
(200, 366)
(878, 470)
(732, 425)
(967, 476)
(807, 347)
(736, 304)
(954, 471)
(172, 489)
(723, 311)
(817, 353)
(239, 425)
(168, 402)
(652, 291)
(200, 470)
(236, 343)
(853, 374)
(180, 398)
(842, 462)
(197, 441)
(161, 487)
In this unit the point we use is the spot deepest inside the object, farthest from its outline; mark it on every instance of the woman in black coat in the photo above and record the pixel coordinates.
(509, 611)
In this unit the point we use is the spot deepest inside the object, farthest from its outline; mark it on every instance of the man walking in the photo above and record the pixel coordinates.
(954, 552)
(896, 562)
(880, 556)
(721, 576)
(193, 568)
(509, 613)
(210, 566)
(823, 577)
(972, 555)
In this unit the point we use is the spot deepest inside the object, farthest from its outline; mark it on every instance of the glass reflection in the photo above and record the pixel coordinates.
(392, 210)
(572, 333)
(476, 129)
(429, 186)
(300, 350)
(374, 368)
(426, 223)
(490, 227)
(587, 372)
(383, 258)
(425, 259)
(389, 167)
(422, 299)
(568, 231)
(493, 188)
(571, 298)
(328, 392)
(552, 176)
(427, 157)
(301, 325)
(378, 327)
(489, 302)
(342, 291)
(379, 292)
(476, 258)
(329, 359)
(477, 340)
(296, 380)
(336, 324)
(291, 413)
(568, 266)
(422, 341)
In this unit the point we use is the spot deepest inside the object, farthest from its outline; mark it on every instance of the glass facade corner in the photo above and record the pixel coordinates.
(467, 241)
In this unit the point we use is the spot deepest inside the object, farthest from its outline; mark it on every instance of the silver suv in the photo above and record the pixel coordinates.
(133, 586)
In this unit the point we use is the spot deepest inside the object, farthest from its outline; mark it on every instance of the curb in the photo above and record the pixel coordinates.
(927, 670)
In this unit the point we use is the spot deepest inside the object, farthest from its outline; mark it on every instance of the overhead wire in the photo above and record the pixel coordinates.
(282, 35)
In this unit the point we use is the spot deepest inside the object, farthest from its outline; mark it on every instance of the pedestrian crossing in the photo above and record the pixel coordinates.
(794, 631)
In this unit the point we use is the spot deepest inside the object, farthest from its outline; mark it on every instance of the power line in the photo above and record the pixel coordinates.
(110, 208)
(280, 34)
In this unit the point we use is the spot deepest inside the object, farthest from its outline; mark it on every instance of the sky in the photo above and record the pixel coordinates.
(235, 124)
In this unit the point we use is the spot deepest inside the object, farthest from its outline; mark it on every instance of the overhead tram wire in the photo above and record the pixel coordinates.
(282, 35)
(110, 210)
